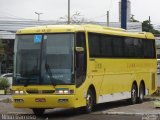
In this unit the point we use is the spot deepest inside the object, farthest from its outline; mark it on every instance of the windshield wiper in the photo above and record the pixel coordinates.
(48, 70)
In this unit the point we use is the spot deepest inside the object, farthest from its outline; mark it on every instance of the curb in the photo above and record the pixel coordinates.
(2, 99)
(120, 113)
(152, 98)
(132, 114)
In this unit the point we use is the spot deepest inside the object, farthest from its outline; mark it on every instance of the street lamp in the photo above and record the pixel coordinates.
(68, 11)
(38, 15)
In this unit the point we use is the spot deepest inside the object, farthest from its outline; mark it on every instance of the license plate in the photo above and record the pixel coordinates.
(40, 100)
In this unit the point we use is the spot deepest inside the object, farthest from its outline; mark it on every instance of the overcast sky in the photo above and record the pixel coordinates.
(94, 10)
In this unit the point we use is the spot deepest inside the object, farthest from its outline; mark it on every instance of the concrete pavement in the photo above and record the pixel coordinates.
(111, 108)
(2, 97)
(118, 107)
(123, 108)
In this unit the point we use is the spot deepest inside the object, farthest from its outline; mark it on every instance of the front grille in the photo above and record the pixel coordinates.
(32, 91)
(40, 91)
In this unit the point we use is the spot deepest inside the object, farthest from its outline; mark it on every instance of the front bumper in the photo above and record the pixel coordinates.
(51, 101)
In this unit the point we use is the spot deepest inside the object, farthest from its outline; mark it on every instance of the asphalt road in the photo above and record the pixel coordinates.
(93, 117)
(6, 109)
(106, 111)
(75, 114)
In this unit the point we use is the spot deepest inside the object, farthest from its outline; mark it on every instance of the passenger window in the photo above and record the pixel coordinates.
(118, 48)
(94, 45)
(106, 48)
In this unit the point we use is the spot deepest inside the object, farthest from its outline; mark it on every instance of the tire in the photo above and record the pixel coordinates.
(134, 94)
(38, 111)
(89, 102)
(141, 94)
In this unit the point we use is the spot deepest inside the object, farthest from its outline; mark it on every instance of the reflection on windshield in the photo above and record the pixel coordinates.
(46, 62)
(28, 60)
(59, 55)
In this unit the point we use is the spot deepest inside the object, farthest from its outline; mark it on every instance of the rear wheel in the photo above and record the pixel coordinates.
(133, 94)
(89, 101)
(38, 111)
(141, 93)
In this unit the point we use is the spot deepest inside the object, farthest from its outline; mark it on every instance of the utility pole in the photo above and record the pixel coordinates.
(149, 20)
(38, 15)
(124, 14)
(68, 11)
(108, 18)
(149, 23)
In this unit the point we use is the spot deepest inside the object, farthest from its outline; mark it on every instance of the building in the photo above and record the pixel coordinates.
(7, 37)
(128, 11)
(131, 26)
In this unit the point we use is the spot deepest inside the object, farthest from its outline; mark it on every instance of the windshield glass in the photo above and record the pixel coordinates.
(59, 58)
(44, 59)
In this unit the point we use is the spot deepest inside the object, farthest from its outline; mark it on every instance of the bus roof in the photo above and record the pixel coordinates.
(87, 27)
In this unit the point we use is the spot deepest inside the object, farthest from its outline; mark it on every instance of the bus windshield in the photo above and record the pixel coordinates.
(44, 59)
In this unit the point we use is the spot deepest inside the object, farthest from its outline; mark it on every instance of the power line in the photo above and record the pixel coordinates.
(12, 31)
(12, 18)
(9, 15)
(97, 17)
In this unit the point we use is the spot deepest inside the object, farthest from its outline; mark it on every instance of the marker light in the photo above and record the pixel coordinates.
(18, 92)
(63, 91)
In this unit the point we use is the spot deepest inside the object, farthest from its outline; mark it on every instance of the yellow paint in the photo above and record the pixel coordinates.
(108, 76)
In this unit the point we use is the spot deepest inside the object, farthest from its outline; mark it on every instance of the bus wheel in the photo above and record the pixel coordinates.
(38, 111)
(141, 93)
(133, 94)
(89, 101)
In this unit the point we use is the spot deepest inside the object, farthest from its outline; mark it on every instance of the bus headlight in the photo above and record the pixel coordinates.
(63, 91)
(18, 92)
(21, 92)
(66, 91)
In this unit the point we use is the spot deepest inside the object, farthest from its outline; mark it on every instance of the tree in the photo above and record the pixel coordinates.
(76, 18)
(2, 51)
(147, 27)
(4, 83)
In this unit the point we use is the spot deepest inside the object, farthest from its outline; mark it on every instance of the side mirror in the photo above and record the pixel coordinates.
(79, 49)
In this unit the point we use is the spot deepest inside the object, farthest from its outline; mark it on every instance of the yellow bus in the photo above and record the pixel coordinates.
(72, 66)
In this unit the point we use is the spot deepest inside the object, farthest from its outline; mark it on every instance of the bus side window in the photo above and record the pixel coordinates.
(80, 58)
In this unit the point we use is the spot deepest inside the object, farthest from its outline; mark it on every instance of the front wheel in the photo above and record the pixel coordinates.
(89, 101)
(38, 111)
